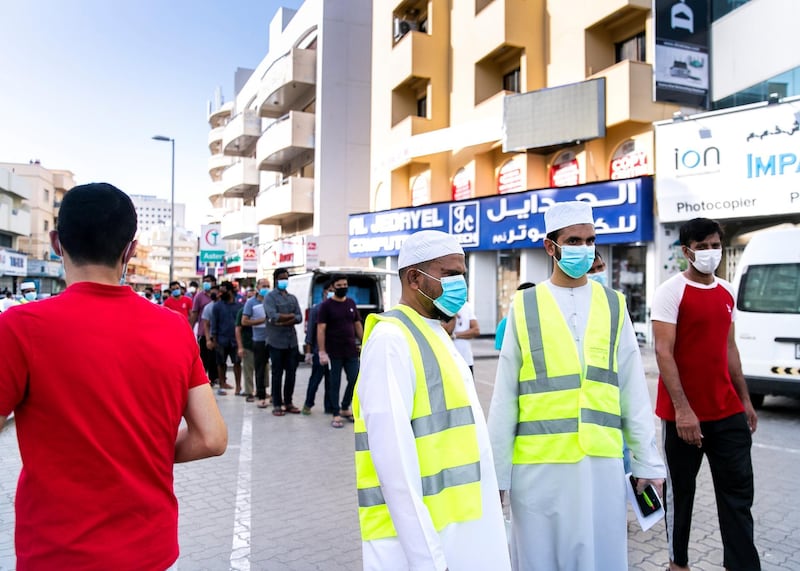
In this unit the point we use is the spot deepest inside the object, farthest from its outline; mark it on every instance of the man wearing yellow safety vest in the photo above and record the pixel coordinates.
(427, 491)
(569, 384)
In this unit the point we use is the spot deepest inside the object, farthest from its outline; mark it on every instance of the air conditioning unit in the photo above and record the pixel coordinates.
(402, 27)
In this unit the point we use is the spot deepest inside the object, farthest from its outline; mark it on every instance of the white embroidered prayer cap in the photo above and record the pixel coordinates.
(563, 214)
(27, 285)
(427, 245)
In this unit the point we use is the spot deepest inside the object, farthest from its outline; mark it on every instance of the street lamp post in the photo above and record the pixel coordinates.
(171, 209)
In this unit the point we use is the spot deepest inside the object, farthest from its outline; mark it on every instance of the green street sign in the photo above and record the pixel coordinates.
(207, 256)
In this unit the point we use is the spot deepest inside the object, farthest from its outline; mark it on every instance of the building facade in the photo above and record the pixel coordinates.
(15, 223)
(482, 101)
(152, 211)
(290, 154)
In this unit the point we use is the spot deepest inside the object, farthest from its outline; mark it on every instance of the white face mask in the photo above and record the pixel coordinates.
(706, 261)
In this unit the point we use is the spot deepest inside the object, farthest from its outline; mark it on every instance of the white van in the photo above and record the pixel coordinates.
(767, 286)
(366, 286)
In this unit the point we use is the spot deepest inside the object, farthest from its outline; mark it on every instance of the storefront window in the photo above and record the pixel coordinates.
(507, 279)
(628, 276)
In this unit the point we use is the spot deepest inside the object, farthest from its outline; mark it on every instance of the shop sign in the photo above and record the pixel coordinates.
(420, 191)
(287, 252)
(628, 162)
(741, 164)
(312, 254)
(462, 185)
(13, 264)
(212, 248)
(623, 213)
(233, 262)
(249, 259)
(509, 179)
(565, 170)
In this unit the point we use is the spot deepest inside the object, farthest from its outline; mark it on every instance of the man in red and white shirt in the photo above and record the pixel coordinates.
(703, 399)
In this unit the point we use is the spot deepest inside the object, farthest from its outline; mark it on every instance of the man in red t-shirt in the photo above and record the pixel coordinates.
(703, 399)
(177, 301)
(97, 445)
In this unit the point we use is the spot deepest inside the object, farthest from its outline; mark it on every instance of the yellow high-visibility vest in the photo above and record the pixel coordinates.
(567, 410)
(444, 428)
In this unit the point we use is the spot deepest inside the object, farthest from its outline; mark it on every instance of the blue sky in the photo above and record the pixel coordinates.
(85, 84)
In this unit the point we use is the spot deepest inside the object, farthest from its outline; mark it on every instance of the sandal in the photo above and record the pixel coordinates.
(292, 409)
(278, 412)
(250, 398)
(337, 424)
(262, 404)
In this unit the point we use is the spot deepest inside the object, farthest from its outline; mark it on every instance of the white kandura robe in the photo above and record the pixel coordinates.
(386, 396)
(572, 516)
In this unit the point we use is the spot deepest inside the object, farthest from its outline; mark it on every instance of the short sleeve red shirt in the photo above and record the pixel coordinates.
(98, 397)
(702, 316)
(181, 304)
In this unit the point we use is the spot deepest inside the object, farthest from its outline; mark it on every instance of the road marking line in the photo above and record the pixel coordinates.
(778, 448)
(240, 546)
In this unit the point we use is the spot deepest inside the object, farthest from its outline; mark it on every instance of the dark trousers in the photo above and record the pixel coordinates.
(726, 444)
(284, 364)
(318, 373)
(260, 361)
(350, 366)
(209, 359)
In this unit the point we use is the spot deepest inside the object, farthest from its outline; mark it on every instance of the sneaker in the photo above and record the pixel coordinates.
(222, 392)
(306, 410)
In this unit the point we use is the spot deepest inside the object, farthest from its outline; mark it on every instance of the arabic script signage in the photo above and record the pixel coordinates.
(623, 212)
(735, 165)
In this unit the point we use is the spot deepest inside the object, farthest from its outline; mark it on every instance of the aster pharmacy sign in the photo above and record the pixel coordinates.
(211, 245)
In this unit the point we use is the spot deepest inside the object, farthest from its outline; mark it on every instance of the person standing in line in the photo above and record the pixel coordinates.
(96, 490)
(283, 313)
(255, 317)
(427, 493)
(223, 337)
(338, 328)
(703, 399)
(28, 291)
(598, 270)
(199, 303)
(569, 384)
(177, 301)
(244, 345)
(462, 328)
(319, 372)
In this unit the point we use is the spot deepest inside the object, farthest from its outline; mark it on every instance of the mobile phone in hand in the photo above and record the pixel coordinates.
(648, 500)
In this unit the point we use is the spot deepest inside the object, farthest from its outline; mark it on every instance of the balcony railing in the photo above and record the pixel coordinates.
(286, 202)
(15, 221)
(239, 224)
(287, 144)
(288, 84)
(241, 133)
(240, 180)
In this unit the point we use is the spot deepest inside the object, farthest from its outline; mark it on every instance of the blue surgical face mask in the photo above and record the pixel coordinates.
(263, 291)
(329, 295)
(576, 260)
(30, 296)
(176, 292)
(454, 294)
(283, 284)
(599, 277)
(206, 286)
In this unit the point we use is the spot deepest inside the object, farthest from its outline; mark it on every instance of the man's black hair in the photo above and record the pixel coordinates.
(96, 222)
(193, 283)
(553, 236)
(210, 277)
(277, 272)
(698, 229)
(175, 283)
(336, 277)
(326, 284)
(228, 285)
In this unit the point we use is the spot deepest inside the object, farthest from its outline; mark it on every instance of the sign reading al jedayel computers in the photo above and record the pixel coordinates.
(732, 165)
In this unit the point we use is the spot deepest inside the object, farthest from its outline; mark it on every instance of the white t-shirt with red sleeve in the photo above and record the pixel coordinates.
(703, 315)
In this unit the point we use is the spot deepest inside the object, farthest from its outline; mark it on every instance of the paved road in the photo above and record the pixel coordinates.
(282, 497)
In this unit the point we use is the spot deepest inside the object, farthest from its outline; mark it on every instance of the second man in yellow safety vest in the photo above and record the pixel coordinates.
(569, 384)
(427, 492)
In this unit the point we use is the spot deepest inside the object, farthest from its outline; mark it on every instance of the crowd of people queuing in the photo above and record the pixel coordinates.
(570, 401)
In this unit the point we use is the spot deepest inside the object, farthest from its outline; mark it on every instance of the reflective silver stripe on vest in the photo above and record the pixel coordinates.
(558, 426)
(449, 477)
(431, 485)
(601, 418)
(534, 333)
(368, 497)
(613, 304)
(549, 384)
(440, 421)
(362, 442)
(602, 375)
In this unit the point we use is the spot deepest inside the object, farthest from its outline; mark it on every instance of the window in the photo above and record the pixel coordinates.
(632, 49)
(46, 225)
(422, 106)
(511, 81)
(46, 196)
(773, 288)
